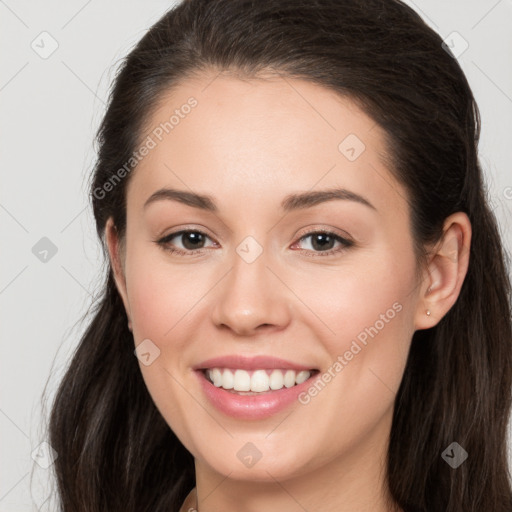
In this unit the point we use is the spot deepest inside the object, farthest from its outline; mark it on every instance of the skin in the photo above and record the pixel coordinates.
(248, 144)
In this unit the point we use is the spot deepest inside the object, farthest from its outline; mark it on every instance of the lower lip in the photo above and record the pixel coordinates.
(251, 407)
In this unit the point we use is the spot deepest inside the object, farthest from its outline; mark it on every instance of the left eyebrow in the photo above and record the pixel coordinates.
(289, 203)
(309, 199)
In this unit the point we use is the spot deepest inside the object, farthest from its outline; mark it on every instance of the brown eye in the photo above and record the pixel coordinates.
(322, 243)
(190, 240)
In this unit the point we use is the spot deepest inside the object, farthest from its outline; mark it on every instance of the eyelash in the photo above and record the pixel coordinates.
(164, 243)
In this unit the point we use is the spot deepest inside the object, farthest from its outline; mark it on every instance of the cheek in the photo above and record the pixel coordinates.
(161, 300)
(367, 317)
(372, 316)
(154, 302)
(365, 296)
(160, 294)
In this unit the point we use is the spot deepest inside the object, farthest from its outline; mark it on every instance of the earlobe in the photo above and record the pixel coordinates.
(114, 250)
(446, 272)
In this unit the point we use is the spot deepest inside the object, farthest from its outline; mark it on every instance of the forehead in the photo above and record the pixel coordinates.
(234, 138)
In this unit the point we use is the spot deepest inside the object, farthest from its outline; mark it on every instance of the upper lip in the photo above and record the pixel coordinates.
(250, 363)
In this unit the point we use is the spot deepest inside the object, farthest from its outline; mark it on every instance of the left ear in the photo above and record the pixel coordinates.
(446, 271)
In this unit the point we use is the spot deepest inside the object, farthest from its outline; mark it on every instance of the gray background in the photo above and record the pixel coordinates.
(50, 108)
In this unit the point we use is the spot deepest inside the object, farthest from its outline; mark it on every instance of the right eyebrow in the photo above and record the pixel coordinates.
(192, 199)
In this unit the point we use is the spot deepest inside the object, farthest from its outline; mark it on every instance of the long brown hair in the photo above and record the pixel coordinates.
(116, 452)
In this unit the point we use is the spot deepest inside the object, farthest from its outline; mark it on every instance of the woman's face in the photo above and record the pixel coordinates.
(256, 275)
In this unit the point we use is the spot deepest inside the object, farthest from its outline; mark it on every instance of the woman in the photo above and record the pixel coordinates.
(302, 259)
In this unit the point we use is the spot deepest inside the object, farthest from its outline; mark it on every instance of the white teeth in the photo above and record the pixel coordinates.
(217, 377)
(228, 379)
(242, 381)
(276, 379)
(289, 378)
(257, 381)
(301, 377)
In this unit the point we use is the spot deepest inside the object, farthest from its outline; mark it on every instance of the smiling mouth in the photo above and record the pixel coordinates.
(255, 382)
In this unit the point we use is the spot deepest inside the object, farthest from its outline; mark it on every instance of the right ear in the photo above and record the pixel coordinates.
(116, 262)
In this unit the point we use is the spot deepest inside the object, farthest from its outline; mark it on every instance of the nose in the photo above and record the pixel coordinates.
(252, 298)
